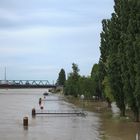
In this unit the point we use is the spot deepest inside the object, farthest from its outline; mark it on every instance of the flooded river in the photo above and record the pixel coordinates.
(18, 103)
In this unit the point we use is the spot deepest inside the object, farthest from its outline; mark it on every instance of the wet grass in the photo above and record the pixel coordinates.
(96, 106)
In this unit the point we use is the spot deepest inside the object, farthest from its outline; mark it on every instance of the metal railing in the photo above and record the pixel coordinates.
(61, 112)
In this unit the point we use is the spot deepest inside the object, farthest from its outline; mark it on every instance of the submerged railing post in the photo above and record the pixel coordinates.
(25, 121)
(33, 112)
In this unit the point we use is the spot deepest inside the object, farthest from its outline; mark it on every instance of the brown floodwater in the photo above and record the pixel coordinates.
(112, 126)
(116, 128)
(18, 103)
(99, 124)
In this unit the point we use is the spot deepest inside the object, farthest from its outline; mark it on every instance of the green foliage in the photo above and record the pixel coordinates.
(110, 41)
(71, 85)
(77, 85)
(107, 89)
(137, 69)
(96, 83)
(86, 87)
(120, 59)
(61, 78)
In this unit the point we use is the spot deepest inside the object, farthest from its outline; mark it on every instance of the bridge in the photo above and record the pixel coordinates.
(26, 84)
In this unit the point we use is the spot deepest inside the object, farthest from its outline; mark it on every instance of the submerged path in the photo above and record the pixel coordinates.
(17, 103)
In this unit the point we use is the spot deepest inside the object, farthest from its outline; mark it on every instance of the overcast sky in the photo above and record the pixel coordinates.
(39, 37)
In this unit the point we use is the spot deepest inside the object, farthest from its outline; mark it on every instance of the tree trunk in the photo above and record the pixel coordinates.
(136, 115)
(122, 113)
(108, 102)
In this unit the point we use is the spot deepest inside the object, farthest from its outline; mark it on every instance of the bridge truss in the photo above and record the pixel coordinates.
(25, 84)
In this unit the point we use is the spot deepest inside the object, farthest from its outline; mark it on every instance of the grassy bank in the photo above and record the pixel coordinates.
(89, 105)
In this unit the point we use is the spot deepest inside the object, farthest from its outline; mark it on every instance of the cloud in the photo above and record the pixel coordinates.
(39, 37)
(24, 14)
(44, 46)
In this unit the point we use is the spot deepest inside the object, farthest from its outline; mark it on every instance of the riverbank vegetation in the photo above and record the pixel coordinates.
(116, 77)
(120, 59)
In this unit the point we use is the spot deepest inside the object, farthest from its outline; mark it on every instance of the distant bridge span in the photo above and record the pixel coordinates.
(26, 84)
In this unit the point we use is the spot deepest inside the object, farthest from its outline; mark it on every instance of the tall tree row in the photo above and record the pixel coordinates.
(120, 59)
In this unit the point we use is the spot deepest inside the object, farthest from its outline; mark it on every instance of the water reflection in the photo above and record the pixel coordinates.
(25, 127)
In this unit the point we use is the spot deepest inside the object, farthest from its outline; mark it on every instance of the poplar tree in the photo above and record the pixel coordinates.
(137, 56)
(95, 81)
(72, 85)
(121, 38)
(104, 49)
(61, 78)
(112, 63)
(133, 59)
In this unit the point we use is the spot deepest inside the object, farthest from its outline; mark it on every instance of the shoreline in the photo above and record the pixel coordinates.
(113, 127)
